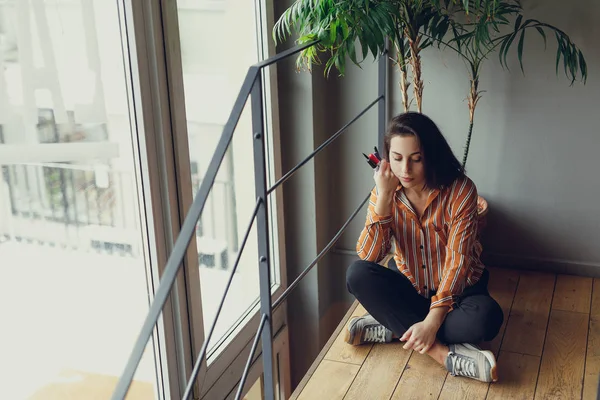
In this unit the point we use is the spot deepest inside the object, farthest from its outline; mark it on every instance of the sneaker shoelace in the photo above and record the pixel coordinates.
(462, 366)
(375, 333)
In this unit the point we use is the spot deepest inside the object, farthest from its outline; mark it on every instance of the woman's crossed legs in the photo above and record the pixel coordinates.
(394, 305)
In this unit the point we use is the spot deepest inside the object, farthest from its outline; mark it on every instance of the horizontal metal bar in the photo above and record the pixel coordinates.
(185, 236)
(284, 54)
(198, 363)
(263, 320)
(291, 172)
(337, 236)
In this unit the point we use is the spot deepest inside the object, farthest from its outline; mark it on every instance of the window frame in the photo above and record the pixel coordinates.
(142, 38)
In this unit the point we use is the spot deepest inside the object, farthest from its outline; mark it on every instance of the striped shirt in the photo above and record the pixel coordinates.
(438, 253)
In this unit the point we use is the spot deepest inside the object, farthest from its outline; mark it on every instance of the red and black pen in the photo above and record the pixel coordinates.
(373, 159)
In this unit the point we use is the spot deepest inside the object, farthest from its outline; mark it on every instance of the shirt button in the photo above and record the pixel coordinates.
(425, 287)
(421, 246)
(422, 266)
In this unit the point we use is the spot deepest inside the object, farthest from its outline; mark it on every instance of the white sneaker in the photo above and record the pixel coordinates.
(367, 330)
(472, 362)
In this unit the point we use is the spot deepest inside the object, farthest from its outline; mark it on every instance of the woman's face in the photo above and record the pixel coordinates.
(406, 161)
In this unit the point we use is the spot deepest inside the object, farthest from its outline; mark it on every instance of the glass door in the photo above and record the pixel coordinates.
(75, 279)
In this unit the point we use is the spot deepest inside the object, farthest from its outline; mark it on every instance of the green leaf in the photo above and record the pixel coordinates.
(541, 31)
(333, 31)
(352, 52)
(508, 42)
(345, 30)
(520, 50)
(458, 42)
(364, 46)
(339, 65)
(583, 66)
(518, 22)
(558, 52)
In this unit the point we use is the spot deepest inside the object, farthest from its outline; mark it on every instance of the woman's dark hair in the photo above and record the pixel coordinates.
(441, 166)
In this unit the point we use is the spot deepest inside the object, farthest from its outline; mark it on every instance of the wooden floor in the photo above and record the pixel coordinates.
(548, 348)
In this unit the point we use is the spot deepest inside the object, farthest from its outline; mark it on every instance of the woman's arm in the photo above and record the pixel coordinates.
(461, 238)
(375, 239)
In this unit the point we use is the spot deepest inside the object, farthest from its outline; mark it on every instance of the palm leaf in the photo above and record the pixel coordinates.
(520, 50)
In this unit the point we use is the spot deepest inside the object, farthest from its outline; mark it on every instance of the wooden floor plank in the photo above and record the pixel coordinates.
(460, 388)
(422, 378)
(517, 375)
(592, 362)
(502, 287)
(572, 293)
(343, 352)
(562, 367)
(553, 364)
(331, 380)
(380, 372)
(307, 377)
(526, 328)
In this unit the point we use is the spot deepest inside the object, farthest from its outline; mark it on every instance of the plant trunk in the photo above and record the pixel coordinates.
(404, 84)
(404, 87)
(415, 62)
(464, 163)
(474, 97)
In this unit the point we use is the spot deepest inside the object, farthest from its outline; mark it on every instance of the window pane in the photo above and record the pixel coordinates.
(73, 277)
(213, 74)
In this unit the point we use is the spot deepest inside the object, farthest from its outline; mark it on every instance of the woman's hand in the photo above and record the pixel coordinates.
(385, 179)
(420, 337)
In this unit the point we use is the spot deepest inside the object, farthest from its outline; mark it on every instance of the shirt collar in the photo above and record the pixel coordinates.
(433, 193)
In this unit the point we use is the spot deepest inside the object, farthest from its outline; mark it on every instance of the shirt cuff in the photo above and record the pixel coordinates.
(442, 299)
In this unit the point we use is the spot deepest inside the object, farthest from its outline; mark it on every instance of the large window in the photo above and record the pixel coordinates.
(94, 186)
(73, 271)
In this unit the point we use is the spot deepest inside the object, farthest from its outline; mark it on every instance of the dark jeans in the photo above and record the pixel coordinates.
(393, 301)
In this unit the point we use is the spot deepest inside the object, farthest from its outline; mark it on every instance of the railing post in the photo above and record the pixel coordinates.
(381, 108)
(264, 262)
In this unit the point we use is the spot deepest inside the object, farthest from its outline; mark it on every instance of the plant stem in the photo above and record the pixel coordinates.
(464, 163)
(415, 62)
(401, 62)
(474, 97)
(404, 87)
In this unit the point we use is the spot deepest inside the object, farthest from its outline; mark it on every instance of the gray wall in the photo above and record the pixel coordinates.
(535, 144)
(534, 150)
(533, 157)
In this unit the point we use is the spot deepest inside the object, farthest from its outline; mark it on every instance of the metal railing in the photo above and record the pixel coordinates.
(253, 87)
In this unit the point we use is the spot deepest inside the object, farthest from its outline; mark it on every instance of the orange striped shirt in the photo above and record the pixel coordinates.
(439, 252)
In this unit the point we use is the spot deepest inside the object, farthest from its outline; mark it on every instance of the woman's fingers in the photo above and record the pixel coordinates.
(407, 334)
(413, 343)
(386, 167)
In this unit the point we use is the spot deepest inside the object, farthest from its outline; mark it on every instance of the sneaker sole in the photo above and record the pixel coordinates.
(491, 359)
(347, 337)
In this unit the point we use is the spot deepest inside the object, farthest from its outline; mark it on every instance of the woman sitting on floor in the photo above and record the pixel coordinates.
(439, 303)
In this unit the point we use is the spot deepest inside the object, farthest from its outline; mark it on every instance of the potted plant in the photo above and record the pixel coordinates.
(478, 29)
(410, 25)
